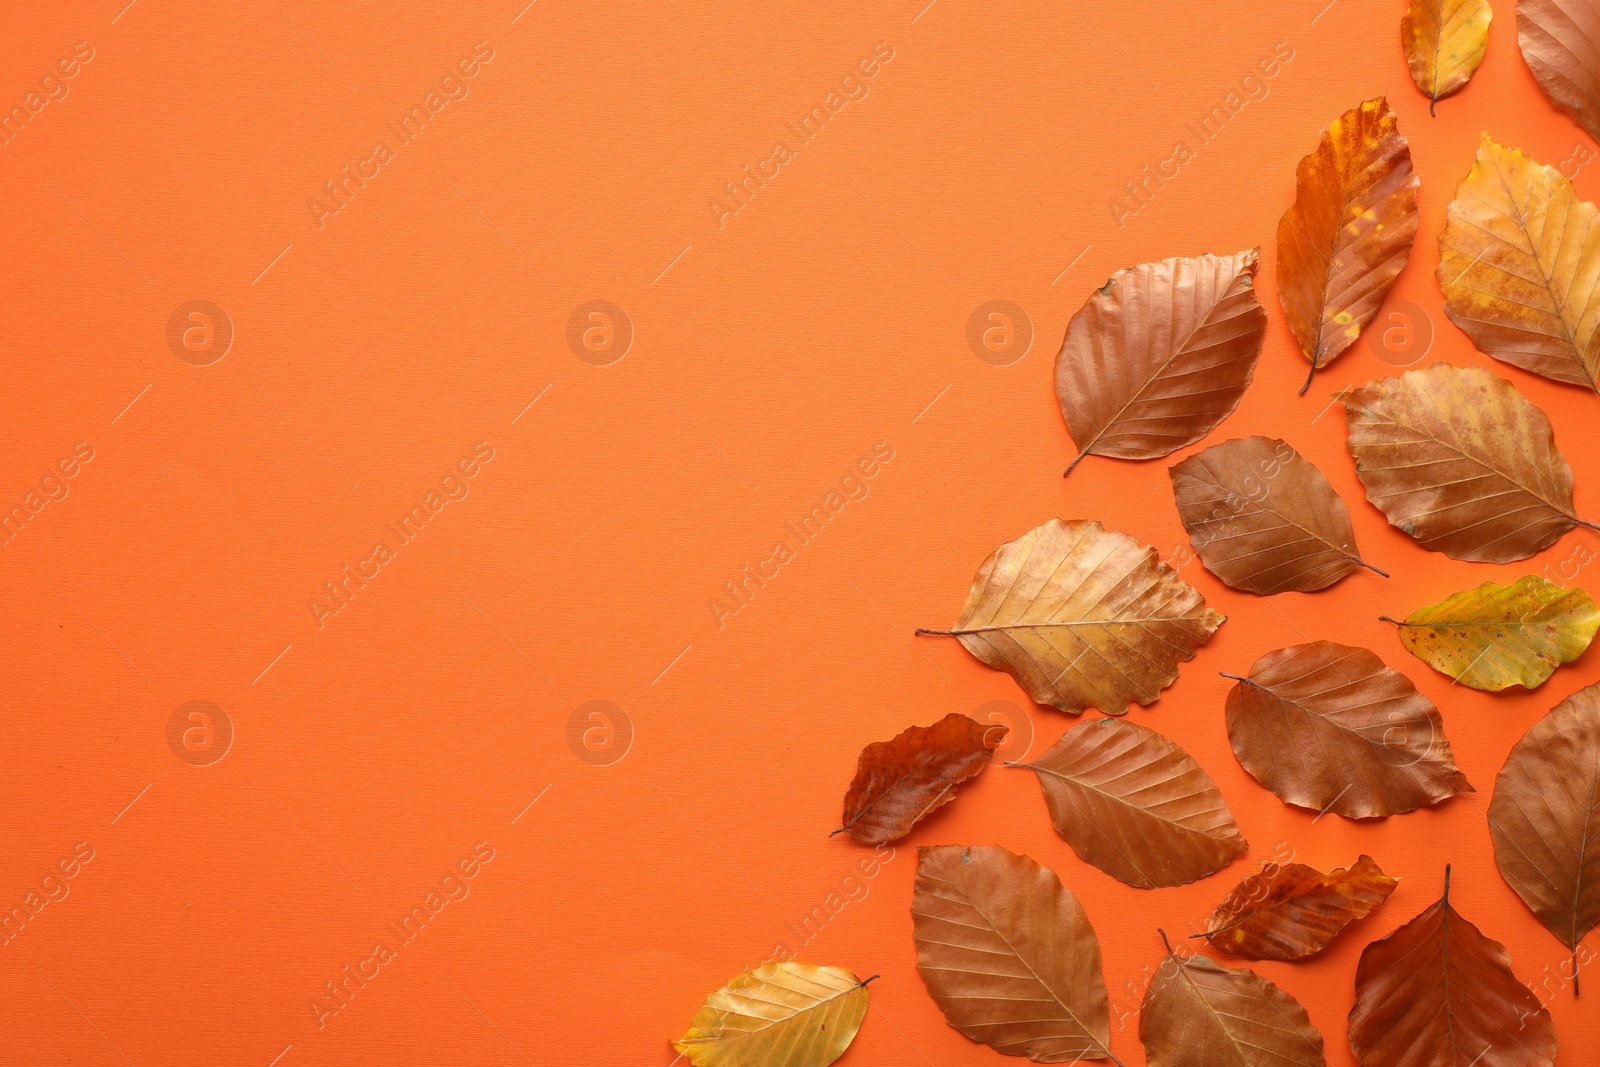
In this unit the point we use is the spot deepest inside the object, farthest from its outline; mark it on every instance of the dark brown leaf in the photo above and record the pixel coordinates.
(1290, 912)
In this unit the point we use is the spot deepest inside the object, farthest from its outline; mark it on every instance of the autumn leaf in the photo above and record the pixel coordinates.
(1496, 636)
(1263, 519)
(1135, 805)
(1008, 954)
(1159, 355)
(791, 1013)
(1349, 233)
(1438, 993)
(1560, 41)
(1292, 911)
(1461, 461)
(1196, 1011)
(1082, 617)
(1519, 263)
(899, 781)
(1330, 727)
(1545, 819)
(1444, 42)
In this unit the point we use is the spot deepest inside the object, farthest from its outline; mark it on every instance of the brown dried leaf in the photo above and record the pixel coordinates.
(1545, 819)
(1349, 233)
(900, 780)
(1291, 912)
(1330, 727)
(1519, 260)
(1082, 617)
(1444, 42)
(1196, 1011)
(1008, 954)
(1461, 461)
(1263, 519)
(1560, 39)
(1438, 993)
(1160, 355)
(1135, 805)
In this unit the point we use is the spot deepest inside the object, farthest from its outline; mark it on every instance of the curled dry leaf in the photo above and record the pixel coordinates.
(1331, 727)
(1560, 39)
(1293, 911)
(1349, 232)
(1082, 617)
(791, 1013)
(1263, 519)
(1458, 459)
(1008, 954)
(1496, 636)
(1544, 816)
(1160, 354)
(1444, 42)
(1519, 263)
(1135, 805)
(1196, 1011)
(900, 780)
(1438, 993)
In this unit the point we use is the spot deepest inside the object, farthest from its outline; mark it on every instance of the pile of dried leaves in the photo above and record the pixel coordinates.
(1086, 617)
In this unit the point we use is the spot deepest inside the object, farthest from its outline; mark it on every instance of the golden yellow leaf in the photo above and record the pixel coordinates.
(1519, 263)
(1444, 42)
(797, 1014)
(1496, 636)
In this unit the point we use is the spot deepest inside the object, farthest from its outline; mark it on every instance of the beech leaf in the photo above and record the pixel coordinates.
(1497, 636)
(1461, 461)
(1293, 911)
(1008, 954)
(1160, 355)
(1561, 42)
(1444, 42)
(1545, 819)
(1196, 1011)
(1082, 617)
(1519, 262)
(791, 1013)
(899, 781)
(1438, 993)
(1347, 236)
(1134, 804)
(1331, 727)
(1263, 518)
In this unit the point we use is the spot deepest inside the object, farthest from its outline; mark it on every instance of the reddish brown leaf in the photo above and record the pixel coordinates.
(1331, 727)
(1438, 993)
(1293, 911)
(1008, 954)
(1560, 39)
(900, 780)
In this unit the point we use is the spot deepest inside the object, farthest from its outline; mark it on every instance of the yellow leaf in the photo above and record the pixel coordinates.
(1496, 636)
(796, 1014)
(1444, 42)
(1519, 260)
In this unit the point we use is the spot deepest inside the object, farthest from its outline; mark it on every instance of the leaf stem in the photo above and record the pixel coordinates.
(1385, 618)
(1585, 523)
(1309, 376)
(1167, 943)
(864, 981)
(1236, 677)
(935, 633)
(1370, 567)
(1574, 974)
(1077, 460)
(1445, 900)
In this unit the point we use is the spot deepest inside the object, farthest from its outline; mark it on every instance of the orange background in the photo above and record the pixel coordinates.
(374, 752)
